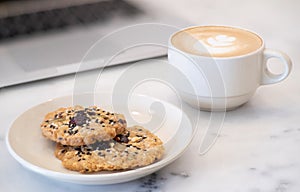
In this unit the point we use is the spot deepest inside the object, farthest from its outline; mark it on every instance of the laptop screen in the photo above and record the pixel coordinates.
(26, 17)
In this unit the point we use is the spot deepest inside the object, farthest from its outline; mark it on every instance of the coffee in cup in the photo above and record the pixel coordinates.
(225, 65)
(216, 41)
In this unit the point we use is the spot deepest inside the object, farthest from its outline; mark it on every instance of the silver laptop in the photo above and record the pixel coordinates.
(46, 38)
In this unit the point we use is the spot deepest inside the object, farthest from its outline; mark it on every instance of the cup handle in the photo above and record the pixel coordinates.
(267, 76)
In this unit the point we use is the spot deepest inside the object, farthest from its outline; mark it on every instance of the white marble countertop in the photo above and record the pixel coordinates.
(258, 146)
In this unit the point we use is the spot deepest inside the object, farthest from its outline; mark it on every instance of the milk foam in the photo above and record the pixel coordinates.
(216, 41)
(221, 41)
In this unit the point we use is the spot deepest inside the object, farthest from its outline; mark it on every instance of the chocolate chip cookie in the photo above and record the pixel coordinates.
(133, 148)
(76, 126)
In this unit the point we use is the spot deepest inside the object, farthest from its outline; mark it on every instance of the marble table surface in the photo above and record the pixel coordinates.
(258, 146)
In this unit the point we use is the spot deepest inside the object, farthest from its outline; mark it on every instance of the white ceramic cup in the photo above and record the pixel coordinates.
(224, 83)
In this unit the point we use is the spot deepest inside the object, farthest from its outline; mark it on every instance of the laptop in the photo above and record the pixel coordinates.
(47, 38)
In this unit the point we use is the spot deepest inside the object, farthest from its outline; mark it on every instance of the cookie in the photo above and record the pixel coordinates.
(76, 126)
(134, 148)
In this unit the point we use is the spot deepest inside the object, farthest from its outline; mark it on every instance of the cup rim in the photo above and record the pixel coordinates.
(216, 58)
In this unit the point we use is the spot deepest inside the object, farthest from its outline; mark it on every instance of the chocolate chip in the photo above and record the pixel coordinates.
(122, 138)
(100, 145)
(80, 112)
(91, 113)
(81, 118)
(122, 121)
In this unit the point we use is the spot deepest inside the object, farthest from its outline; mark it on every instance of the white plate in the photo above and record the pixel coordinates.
(27, 145)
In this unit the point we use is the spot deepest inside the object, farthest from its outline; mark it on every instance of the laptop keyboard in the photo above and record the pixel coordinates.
(44, 21)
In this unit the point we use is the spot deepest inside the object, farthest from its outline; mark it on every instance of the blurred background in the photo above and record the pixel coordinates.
(44, 38)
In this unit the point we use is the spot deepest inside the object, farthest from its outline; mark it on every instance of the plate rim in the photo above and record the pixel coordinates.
(79, 178)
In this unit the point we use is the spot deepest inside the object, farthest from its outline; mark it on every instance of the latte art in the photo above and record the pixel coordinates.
(216, 41)
(221, 41)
